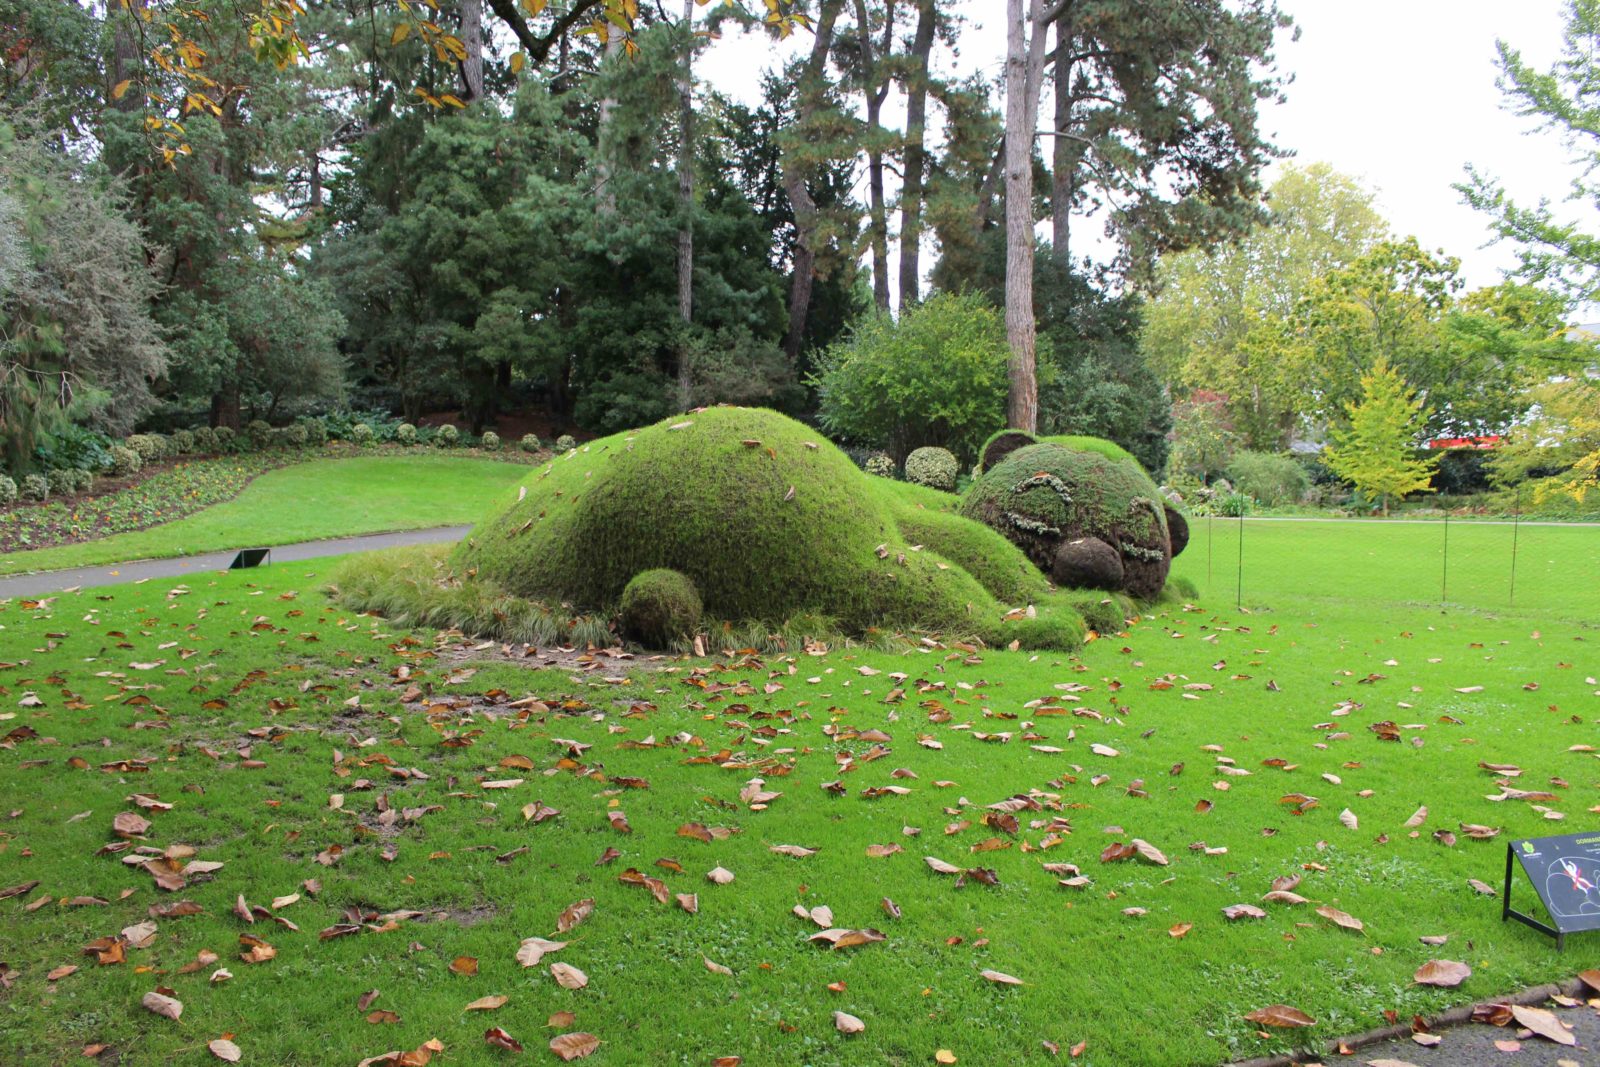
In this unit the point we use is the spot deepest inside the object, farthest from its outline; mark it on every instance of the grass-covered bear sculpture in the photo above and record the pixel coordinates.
(764, 520)
(1089, 517)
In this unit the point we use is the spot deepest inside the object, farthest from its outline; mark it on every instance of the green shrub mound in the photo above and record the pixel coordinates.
(880, 465)
(183, 442)
(529, 442)
(446, 436)
(768, 520)
(405, 434)
(565, 443)
(659, 606)
(490, 441)
(1051, 500)
(8, 490)
(933, 467)
(63, 481)
(125, 461)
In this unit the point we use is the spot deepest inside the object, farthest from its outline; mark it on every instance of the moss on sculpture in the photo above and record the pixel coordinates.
(659, 606)
(1053, 502)
(768, 520)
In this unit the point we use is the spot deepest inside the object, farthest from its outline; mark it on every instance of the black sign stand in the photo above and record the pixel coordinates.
(250, 557)
(1565, 874)
(1527, 920)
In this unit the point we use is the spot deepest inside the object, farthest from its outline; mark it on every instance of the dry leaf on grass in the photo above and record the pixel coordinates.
(574, 1046)
(163, 1005)
(1000, 978)
(568, 976)
(1280, 1015)
(1445, 974)
(846, 1023)
(224, 1050)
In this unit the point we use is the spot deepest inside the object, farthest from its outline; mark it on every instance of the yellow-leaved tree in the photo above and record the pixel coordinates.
(1377, 452)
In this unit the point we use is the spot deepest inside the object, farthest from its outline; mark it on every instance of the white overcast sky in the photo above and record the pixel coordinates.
(1400, 93)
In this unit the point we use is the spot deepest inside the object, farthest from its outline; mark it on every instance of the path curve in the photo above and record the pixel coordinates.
(45, 582)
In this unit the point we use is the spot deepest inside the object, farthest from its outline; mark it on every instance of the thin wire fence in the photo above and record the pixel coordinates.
(1528, 566)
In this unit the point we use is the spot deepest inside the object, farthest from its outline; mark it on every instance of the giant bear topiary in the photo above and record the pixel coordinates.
(1087, 517)
(769, 522)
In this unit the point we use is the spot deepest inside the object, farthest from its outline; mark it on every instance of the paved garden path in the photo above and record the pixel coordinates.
(46, 582)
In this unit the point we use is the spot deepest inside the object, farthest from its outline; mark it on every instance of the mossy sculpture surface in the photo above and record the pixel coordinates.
(1088, 518)
(768, 521)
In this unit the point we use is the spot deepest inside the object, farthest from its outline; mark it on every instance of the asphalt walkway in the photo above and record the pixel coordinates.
(46, 582)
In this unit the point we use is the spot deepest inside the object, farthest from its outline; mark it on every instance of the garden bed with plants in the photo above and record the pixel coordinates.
(165, 491)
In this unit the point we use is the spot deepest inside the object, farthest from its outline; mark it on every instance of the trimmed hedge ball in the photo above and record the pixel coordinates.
(226, 437)
(125, 461)
(490, 442)
(296, 435)
(405, 434)
(529, 442)
(660, 605)
(935, 468)
(8, 490)
(82, 480)
(446, 436)
(316, 432)
(565, 443)
(183, 442)
(145, 445)
(205, 439)
(35, 488)
(880, 464)
(362, 434)
(62, 481)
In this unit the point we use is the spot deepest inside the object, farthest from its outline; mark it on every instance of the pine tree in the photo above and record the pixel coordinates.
(1376, 452)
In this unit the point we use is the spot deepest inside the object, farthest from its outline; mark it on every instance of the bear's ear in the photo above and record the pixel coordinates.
(1177, 531)
(1002, 445)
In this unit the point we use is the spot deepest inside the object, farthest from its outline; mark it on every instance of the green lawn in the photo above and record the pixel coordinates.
(323, 498)
(255, 703)
(1329, 561)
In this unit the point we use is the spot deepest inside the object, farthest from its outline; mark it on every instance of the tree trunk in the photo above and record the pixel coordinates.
(472, 41)
(1024, 66)
(125, 57)
(605, 199)
(875, 88)
(916, 158)
(225, 407)
(686, 203)
(794, 185)
(1069, 151)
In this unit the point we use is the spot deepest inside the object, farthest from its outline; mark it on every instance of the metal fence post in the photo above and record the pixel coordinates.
(1238, 587)
(1516, 528)
(1444, 573)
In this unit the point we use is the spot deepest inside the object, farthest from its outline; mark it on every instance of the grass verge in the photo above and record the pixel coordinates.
(308, 501)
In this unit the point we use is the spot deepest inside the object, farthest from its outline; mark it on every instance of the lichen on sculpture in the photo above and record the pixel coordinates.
(1088, 518)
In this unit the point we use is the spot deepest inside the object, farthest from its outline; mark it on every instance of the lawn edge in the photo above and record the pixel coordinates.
(1449, 1018)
